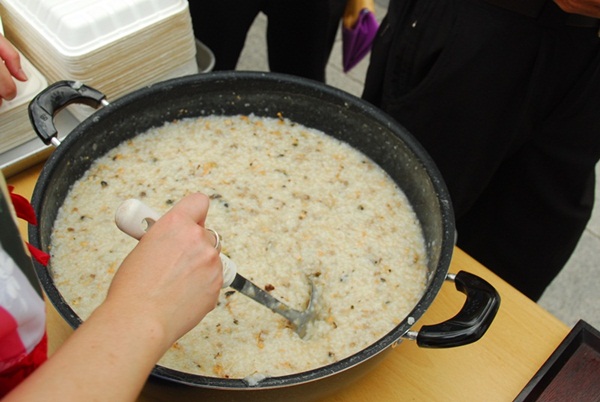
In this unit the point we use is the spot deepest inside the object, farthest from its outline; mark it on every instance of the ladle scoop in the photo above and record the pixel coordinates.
(134, 218)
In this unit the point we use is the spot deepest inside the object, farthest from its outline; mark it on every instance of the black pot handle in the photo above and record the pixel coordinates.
(471, 322)
(57, 96)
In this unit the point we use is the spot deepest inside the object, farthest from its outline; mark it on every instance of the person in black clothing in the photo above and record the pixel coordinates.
(300, 34)
(505, 97)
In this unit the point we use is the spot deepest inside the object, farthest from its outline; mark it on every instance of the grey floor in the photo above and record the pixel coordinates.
(574, 294)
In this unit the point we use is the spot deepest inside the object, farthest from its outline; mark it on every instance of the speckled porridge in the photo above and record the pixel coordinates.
(290, 203)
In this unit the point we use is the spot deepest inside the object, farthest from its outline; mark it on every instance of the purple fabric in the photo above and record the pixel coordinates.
(358, 40)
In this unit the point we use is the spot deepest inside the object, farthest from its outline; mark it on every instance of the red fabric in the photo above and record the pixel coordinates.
(25, 211)
(13, 376)
(11, 346)
(39, 255)
(22, 207)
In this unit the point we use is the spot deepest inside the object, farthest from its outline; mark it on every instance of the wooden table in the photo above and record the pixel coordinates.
(496, 368)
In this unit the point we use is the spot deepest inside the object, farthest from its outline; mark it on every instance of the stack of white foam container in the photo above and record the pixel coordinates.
(115, 46)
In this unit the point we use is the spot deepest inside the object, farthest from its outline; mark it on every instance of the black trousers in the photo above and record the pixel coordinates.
(300, 33)
(508, 106)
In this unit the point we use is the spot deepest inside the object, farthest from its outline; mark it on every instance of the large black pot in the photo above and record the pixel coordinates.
(312, 104)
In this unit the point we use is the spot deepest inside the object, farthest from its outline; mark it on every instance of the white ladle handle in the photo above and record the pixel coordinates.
(134, 218)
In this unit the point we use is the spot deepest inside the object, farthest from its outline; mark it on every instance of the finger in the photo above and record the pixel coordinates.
(194, 206)
(12, 59)
(8, 88)
(217, 239)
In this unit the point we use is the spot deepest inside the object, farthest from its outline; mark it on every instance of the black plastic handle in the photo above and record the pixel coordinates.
(471, 322)
(56, 97)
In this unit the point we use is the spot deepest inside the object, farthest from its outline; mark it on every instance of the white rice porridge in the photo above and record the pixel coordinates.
(291, 204)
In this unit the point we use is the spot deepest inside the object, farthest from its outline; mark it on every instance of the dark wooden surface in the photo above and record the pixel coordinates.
(572, 373)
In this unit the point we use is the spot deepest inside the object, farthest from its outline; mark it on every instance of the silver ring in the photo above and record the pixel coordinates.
(217, 238)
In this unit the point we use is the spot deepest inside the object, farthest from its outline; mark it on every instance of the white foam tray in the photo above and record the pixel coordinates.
(77, 27)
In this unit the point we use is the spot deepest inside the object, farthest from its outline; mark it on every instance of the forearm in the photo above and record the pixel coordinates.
(154, 298)
(107, 359)
(589, 8)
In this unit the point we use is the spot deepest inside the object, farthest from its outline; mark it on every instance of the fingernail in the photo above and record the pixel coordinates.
(23, 75)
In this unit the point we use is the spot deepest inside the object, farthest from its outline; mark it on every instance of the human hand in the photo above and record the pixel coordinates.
(353, 10)
(590, 8)
(11, 67)
(174, 274)
(163, 288)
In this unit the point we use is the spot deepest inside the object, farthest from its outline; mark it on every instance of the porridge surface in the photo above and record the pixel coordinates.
(290, 203)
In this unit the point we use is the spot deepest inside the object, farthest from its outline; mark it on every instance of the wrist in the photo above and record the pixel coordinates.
(132, 328)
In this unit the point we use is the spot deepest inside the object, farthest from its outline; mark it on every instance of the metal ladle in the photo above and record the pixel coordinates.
(134, 218)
